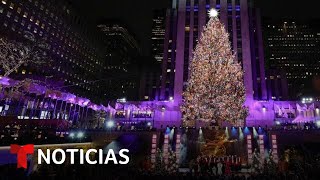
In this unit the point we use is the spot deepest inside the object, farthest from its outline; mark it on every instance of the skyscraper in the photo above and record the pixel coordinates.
(150, 80)
(74, 45)
(184, 24)
(158, 34)
(122, 52)
(293, 47)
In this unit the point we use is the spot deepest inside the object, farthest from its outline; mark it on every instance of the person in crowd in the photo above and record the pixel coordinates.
(219, 167)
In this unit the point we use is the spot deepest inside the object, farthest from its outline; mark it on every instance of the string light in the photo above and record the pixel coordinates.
(215, 89)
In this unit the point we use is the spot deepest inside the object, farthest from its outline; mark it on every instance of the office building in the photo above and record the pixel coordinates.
(293, 47)
(184, 24)
(121, 71)
(74, 45)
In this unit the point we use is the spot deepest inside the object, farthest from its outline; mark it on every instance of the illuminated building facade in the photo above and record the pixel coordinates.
(75, 46)
(184, 24)
(293, 47)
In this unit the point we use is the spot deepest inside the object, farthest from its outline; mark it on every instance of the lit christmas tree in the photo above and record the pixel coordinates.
(215, 90)
(172, 164)
(256, 162)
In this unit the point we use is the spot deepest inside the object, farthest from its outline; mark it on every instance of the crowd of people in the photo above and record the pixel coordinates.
(25, 134)
(294, 163)
(215, 165)
(124, 172)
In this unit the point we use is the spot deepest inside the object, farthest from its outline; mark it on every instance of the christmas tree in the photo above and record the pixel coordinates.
(172, 164)
(256, 162)
(271, 165)
(215, 91)
(159, 166)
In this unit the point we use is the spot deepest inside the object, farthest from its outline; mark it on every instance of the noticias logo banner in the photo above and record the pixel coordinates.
(59, 156)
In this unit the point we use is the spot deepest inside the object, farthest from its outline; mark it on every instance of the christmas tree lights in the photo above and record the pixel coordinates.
(215, 91)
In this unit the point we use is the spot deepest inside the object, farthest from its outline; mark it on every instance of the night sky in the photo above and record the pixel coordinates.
(137, 14)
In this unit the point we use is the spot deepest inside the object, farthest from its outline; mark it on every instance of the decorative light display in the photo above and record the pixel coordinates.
(249, 148)
(166, 149)
(274, 148)
(215, 90)
(213, 13)
(153, 149)
(14, 54)
(178, 147)
(261, 147)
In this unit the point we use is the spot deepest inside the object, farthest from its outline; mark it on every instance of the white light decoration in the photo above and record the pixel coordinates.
(261, 147)
(274, 148)
(110, 124)
(14, 54)
(122, 100)
(166, 148)
(80, 135)
(178, 148)
(264, 109)
(249, 149)
(318, 124)
(71, 135)
(307, 100)
(153, 149)
(213, 13)
(213, 72)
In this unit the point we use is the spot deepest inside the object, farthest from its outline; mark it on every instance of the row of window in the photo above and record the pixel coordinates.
(32, 18)
(29, 22)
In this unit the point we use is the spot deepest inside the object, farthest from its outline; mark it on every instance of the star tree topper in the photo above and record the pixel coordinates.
(213, 13)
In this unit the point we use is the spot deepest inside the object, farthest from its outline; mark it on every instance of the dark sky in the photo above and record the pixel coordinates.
(137, 14)
(289, 8)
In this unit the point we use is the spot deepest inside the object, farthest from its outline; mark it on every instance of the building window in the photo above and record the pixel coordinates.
(19, 10)
(8, 14)
(11, 6)
(25, 14)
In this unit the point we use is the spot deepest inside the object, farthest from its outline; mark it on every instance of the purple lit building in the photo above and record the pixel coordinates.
(75, 46)
(184, 24)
